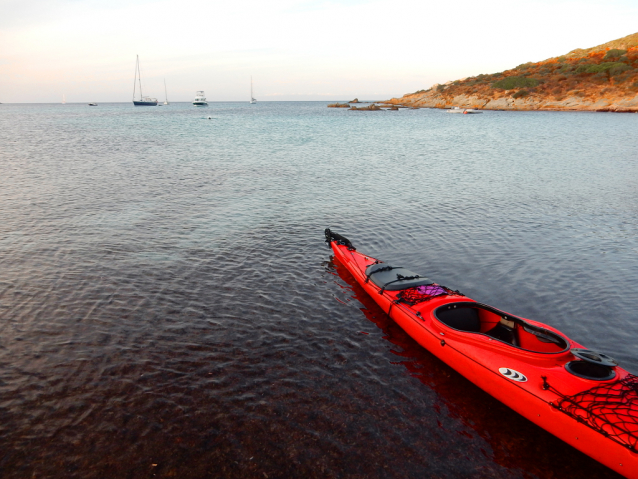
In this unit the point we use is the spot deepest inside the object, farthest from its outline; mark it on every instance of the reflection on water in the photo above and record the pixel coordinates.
(515, 442)
(168, 308)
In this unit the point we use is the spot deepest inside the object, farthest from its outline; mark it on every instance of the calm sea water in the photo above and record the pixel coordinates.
(168, 307)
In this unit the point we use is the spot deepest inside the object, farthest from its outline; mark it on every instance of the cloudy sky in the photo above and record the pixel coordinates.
(294, 49)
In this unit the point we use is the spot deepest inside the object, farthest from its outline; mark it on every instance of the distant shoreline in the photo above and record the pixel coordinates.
(602, 78)
(179, 101)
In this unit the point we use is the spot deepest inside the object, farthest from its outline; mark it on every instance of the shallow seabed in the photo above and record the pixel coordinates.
(168, 307)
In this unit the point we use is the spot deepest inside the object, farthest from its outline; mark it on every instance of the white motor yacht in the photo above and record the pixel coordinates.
(200, 99)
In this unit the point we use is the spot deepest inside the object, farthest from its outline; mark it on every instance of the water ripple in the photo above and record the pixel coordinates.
(168, 307)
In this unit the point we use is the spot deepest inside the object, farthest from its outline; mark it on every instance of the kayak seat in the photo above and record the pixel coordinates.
(394, 278)
(463, 319)
(503, 333)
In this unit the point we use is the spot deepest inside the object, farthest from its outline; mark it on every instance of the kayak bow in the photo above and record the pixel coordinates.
(581, 396)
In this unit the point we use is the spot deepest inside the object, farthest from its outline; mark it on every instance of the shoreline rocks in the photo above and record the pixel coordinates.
(528, 103)
(373, 107)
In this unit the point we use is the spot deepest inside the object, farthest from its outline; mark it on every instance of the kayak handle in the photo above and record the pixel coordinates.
(594, 357)
(331, 236)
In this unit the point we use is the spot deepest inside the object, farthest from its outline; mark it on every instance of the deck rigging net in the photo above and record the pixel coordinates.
(610, 408)
(419, 294)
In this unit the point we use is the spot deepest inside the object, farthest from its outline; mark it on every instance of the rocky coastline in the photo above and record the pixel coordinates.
(602, 78)
(506, 102)
(371, 107)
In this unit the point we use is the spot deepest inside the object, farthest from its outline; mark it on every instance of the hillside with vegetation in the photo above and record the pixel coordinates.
(601, 78)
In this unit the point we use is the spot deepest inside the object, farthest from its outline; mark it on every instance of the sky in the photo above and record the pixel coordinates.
(293, 49)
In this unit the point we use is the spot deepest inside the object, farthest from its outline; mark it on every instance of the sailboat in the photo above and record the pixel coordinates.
(63, 99)
(144, 100)
(165, 94)
(252, 100)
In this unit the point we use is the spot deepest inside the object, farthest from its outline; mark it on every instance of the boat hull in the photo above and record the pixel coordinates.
(144, 103)
(481, 359)
(200, 103)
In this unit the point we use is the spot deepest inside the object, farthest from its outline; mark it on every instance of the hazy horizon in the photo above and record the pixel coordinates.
(161, 101)
(295, 50)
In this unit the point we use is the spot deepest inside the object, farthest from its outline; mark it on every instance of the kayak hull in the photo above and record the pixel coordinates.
(541, 377)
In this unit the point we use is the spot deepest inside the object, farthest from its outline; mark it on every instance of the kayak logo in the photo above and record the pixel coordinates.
(513, 375)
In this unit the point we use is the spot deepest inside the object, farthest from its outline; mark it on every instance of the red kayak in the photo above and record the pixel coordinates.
(581, 396)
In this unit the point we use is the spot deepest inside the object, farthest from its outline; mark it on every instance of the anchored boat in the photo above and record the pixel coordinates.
(465, 111)
(581, 396)
(200, 99)
(143, 100)
(253, 100)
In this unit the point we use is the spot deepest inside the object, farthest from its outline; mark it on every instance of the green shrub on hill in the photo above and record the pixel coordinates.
(612, 68)
(614, 53)
(602, 67)
(513, 82)
(618, 69)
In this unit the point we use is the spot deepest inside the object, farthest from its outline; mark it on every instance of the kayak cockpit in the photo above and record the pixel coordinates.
(479, 318)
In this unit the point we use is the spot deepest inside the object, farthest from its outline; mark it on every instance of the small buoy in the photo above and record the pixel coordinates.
(210, 117)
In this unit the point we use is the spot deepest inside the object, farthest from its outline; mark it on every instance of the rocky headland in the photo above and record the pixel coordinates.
(373, 107)
(601, 78)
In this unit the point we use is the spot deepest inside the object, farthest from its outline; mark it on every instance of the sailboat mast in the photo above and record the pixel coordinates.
(139, 76)
(251, 88)
(135, 77)
(165, 94)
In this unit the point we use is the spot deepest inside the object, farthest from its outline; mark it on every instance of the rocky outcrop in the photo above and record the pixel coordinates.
(603, 78)
(373, 107)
